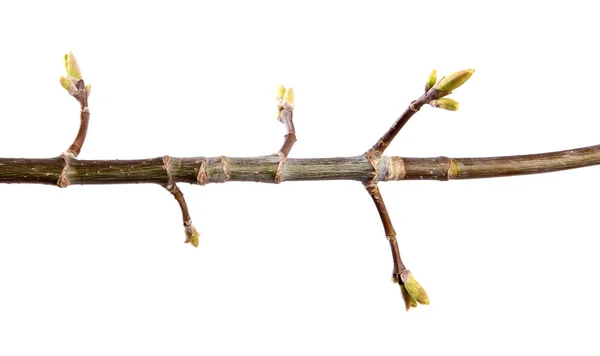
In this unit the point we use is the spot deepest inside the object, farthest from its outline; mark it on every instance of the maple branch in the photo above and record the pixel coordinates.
(370, 168)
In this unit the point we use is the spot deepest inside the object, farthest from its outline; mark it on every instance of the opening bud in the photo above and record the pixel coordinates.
(409, 300)
(71, 66)
(288, 99)
(445, 103)
(192, 236)
(280, 92)
(68, 85)
(413, 288)
(431, 80)
(454, 80)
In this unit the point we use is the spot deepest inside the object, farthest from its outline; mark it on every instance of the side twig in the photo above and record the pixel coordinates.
(285, 114)
(191, 234)
(412, 291)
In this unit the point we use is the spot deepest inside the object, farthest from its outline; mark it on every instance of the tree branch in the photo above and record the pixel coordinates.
(369, 168)
(263, 169)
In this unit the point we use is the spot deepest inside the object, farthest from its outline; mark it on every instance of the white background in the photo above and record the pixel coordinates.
(301, 268)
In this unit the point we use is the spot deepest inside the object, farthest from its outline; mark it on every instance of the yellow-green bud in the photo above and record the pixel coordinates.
(71, 66)
(454, 80)
(280, 93)
(445, 103)
(88, 88)
(288, 99)
(67, 83)
(414, 288)
(192, 236)
(431, 80)
(409, 300)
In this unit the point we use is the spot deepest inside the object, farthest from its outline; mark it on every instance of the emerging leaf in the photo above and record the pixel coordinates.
(71, 66)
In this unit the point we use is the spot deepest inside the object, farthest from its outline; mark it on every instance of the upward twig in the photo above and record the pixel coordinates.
(82, 98)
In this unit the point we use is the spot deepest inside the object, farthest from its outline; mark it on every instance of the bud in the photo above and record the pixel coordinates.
(88, 89)
(68, 85)
(445, 103)
(191, 235)
(431, 80)
(288, 99)
(413, 288)
(409, 300)
(280, 93)
(71, 66)
(454, 80)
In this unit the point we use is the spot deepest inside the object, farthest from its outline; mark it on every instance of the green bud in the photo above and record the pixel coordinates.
(409, 300)
(71, 66)
(67, 84)
(431, 80)
(288, 99)
(445, 103)
(88, 88)
(280, 92)
(414, 288)
(192, 236)
(454, 80)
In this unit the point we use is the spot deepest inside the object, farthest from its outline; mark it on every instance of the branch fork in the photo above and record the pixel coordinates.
(435, 95)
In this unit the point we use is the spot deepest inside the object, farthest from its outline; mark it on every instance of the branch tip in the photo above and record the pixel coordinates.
(76, 87)
(191, 235)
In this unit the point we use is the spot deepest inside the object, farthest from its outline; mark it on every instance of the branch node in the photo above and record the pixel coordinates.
(63, 178)
(202, 178)
(374, 157)
(412, 107)
(453, 170)
(279, 172)
(225, 170)
(167, 167)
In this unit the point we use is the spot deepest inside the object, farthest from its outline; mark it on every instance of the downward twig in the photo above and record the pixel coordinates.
(191, 234)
